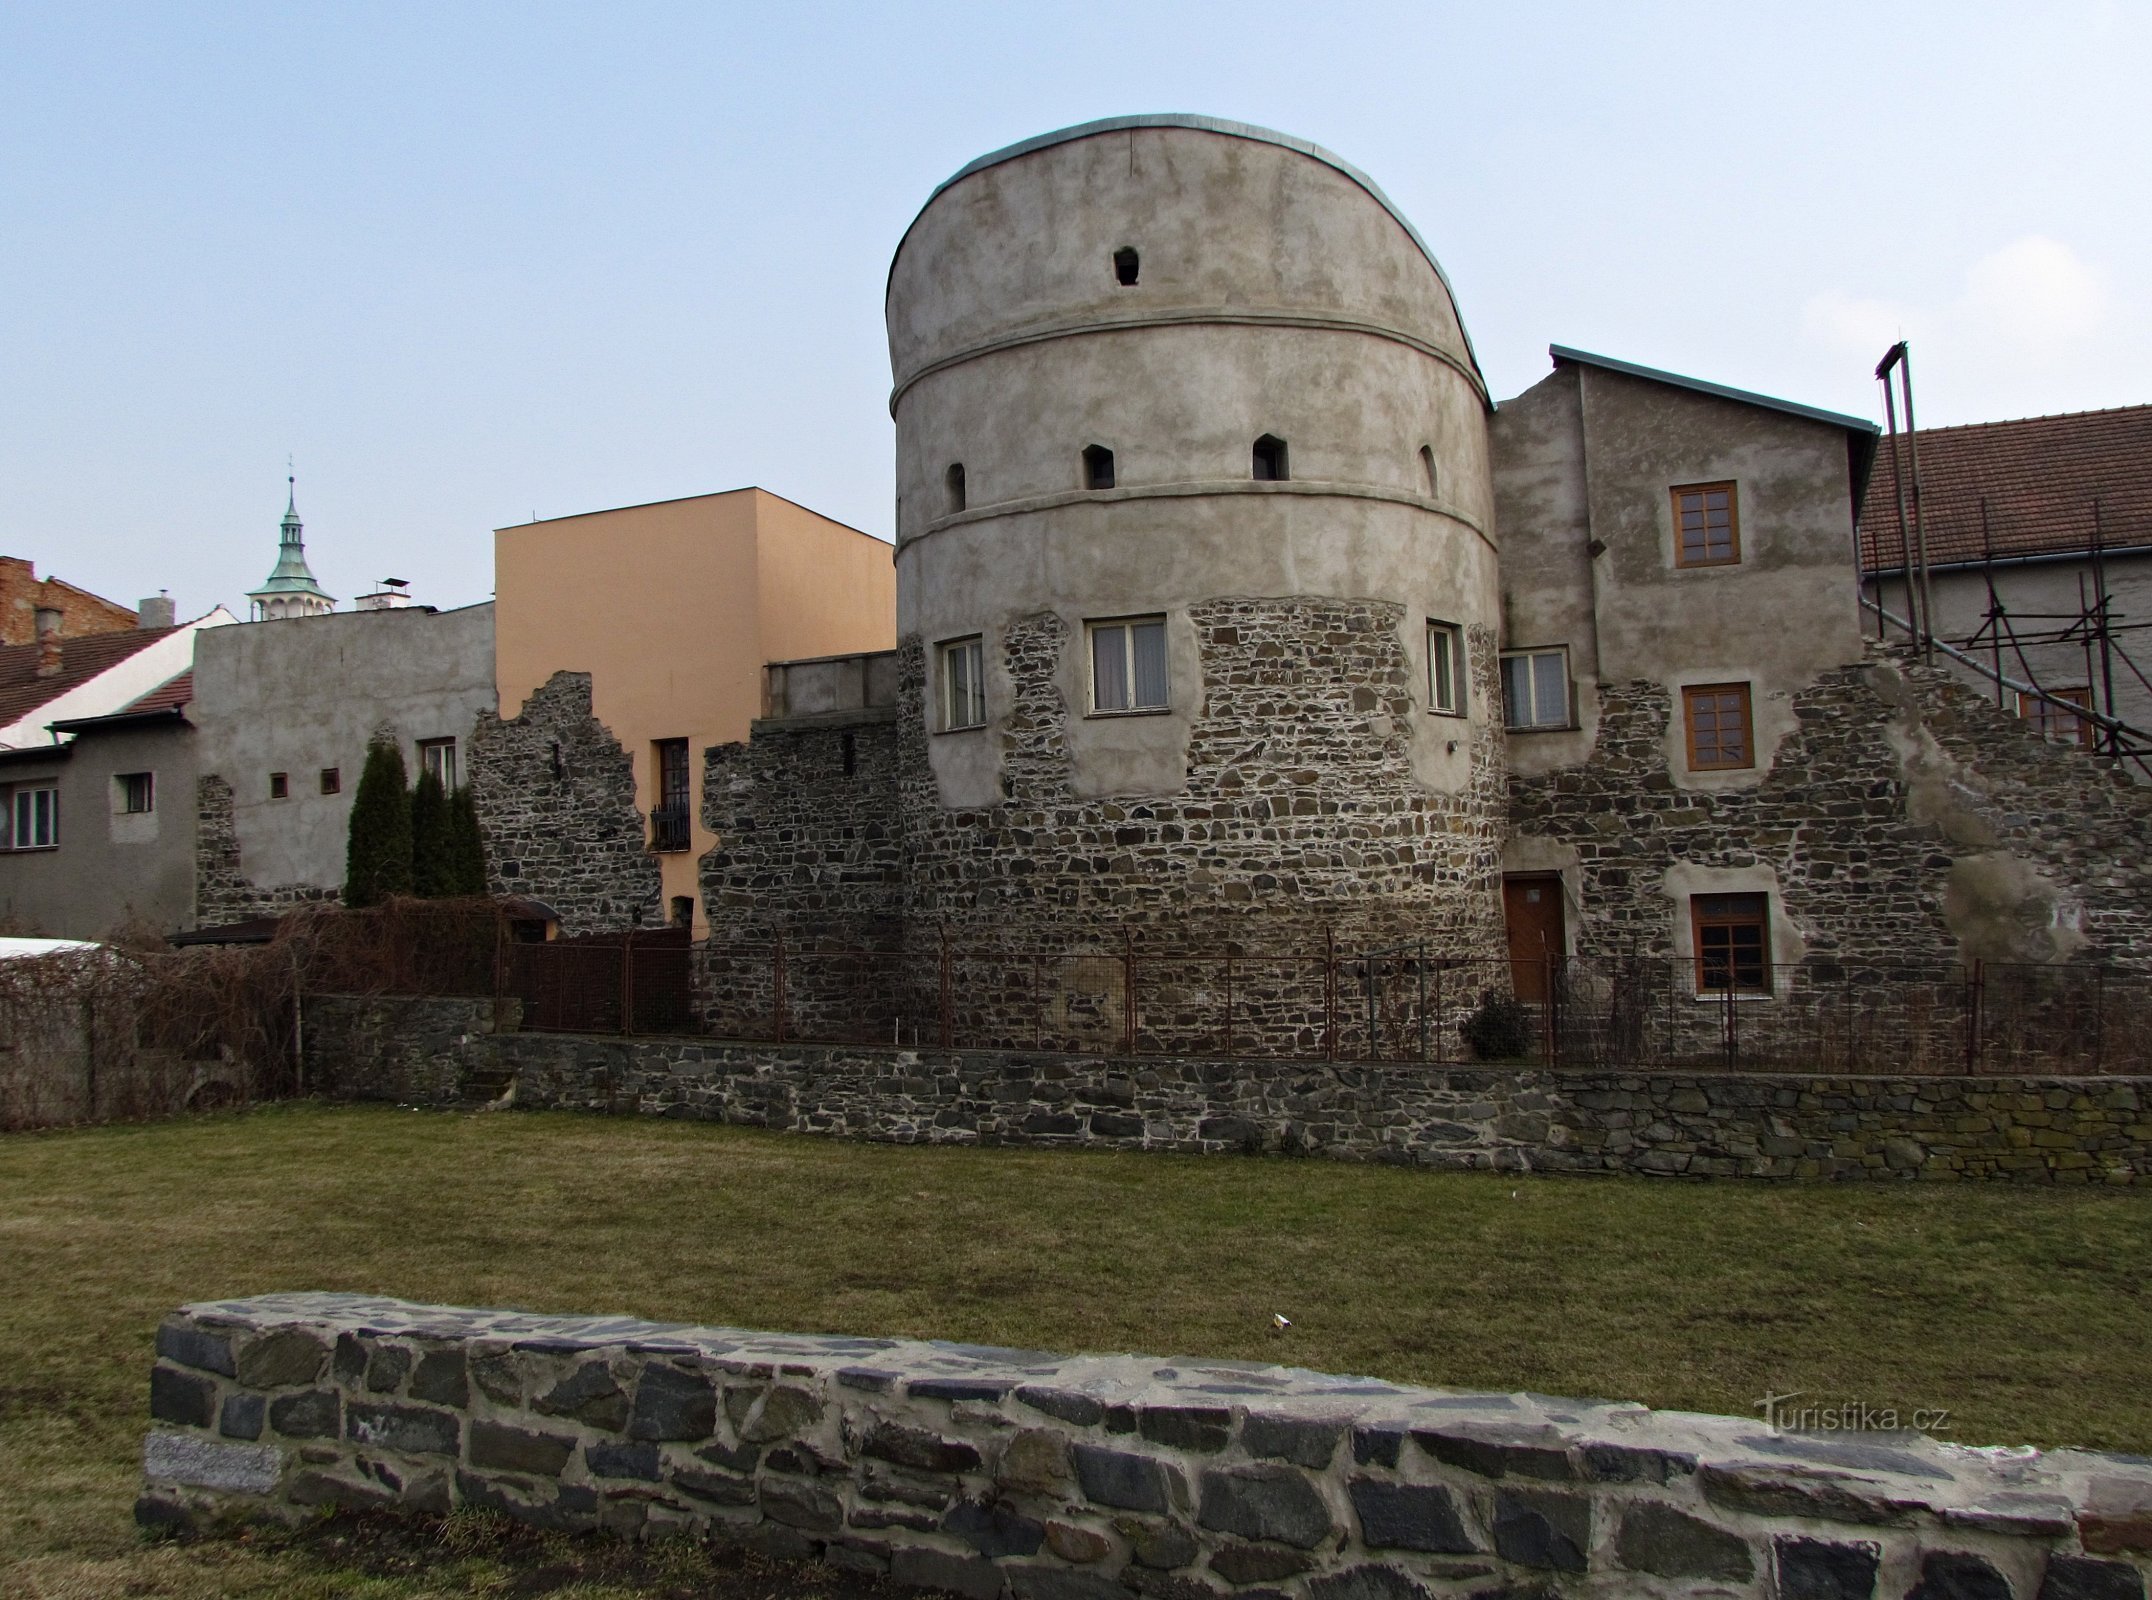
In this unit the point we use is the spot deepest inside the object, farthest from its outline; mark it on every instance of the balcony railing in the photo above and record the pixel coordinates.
(669, 828)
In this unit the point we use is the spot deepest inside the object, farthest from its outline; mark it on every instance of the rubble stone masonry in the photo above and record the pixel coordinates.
(555, 795)
(1907, 821)
(987, 1473)
(222, 892)
(1777, 1126)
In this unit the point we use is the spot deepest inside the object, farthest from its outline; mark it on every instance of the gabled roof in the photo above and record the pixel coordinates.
(168, 696)
(1792, 408)
(2039, 477)
(22, 691)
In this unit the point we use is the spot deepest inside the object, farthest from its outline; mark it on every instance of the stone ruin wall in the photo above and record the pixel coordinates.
(222, 892)
(1300, 821)
(555, 795)
(990, 1473)
(1810, 1126)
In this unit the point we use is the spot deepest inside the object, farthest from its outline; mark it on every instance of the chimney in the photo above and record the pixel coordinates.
(48, 642)
(156, 612)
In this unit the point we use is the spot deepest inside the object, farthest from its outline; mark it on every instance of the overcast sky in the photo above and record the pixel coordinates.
(470, 263)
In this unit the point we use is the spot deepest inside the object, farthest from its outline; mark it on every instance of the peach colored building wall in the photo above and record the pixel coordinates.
(673, 608)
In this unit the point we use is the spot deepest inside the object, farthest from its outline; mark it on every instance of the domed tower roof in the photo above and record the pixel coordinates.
(1217, 220)
(290, 588)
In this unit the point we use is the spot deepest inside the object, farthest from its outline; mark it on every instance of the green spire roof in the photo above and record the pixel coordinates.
(291, 575)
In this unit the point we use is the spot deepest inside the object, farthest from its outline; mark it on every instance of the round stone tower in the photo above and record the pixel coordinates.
(1196, 592)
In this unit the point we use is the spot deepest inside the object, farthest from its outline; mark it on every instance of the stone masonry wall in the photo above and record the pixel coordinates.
(222, 892)
(809, 850)
(1300, 811)
(555, 795)
(1693, 1125)
(990, 1473)
(1907, 822)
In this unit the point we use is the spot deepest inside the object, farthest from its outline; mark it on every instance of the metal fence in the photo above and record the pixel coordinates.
(1409, 1004)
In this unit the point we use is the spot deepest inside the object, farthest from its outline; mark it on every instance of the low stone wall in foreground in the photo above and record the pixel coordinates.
(1685, 1124)
(1010, 1472)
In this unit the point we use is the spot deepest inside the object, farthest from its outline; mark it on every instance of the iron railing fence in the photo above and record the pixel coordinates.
(1410, 1004)
(638, 981)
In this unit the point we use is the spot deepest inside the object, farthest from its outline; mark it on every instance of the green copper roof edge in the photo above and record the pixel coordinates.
(1201, 124)
(1837, 419)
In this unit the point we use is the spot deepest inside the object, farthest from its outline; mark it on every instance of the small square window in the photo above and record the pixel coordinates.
(438, 756)
(1128, 665)
(137, 792)
(332, 780)
(1445, 669)
(1707, 526)
(1535, 689)
(1717, 715)
(279, 785)
(963, 689)
(1733, 943)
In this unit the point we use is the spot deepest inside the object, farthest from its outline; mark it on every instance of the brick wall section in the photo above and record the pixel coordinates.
(555, 795)
(989, 1473)
(23, 593)
(1895, 777)
(1691, 1125)
(222, 892)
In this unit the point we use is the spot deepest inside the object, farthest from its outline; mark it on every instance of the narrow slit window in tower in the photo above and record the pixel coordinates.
(1097, 467)
(1270, 459)
(1124, 266)
(954, 477)
(1427, 468)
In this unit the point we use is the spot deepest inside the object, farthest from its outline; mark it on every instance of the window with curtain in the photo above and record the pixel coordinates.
(1128, 664)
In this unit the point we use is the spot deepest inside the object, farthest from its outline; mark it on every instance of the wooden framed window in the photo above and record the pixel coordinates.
(1717, 717)
(1733, 943)
(279, 785)
(332, 780)
(1707, 526)
(1445, 669)
(136, 792)
(1535, 688)
(963, 684)
(1128, 665)
(2053, 722)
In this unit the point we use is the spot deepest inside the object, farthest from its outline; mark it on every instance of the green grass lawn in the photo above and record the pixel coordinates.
(2025, 1312)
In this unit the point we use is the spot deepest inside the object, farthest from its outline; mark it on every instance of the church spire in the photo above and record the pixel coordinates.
(290, 590)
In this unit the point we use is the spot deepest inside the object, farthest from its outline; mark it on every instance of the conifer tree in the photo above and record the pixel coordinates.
(433, 864)
(467, 847)
(377, 852)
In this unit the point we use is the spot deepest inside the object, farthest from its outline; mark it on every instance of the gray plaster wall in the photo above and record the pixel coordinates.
(2060, 590)
(1590, 458)
(305, 693)
(110, 867)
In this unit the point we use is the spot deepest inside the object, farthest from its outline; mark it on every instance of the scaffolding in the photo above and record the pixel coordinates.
(2096, 628)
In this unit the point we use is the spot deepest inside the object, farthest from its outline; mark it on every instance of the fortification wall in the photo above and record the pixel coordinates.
(555, 795)
(990, 1472)
(1847, 1129)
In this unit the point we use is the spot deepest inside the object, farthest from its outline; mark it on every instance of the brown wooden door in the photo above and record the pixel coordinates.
(1532, 911)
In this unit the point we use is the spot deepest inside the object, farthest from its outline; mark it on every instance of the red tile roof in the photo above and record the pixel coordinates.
(22, 691)
(166, 696)
(2039, 477)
